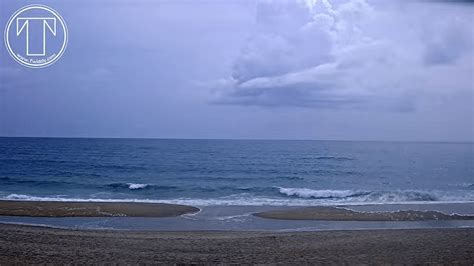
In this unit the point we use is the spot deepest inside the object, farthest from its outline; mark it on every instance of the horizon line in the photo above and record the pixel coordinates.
(239, 139)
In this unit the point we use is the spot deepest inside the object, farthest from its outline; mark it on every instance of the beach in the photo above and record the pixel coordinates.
(257, 238)
(31, 245)
(326, 213)
(92, 209)
(161, 210)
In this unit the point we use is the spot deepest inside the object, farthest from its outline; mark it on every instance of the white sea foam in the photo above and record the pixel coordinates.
(310, 193)
(246, 199)
(133, 186)
(237, 217)
(359, 196)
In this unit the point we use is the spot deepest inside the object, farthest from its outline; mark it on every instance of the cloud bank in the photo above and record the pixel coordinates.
(350, 54)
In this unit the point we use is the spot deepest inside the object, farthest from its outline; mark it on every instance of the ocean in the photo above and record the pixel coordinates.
(236, 172)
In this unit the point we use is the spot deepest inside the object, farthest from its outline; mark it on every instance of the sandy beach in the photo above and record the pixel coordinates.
(92, 209)
(25, 244)
(131, 209)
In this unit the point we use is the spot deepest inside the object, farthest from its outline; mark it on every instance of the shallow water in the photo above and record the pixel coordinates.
(239, 218)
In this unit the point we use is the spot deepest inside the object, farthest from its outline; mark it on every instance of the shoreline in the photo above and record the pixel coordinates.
(270, 231)
(37, 245)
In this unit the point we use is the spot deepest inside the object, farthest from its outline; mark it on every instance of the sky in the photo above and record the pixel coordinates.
(249, 69)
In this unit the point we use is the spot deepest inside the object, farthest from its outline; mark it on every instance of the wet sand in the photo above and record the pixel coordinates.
(341, 214)
(92, 209)
(33, 245)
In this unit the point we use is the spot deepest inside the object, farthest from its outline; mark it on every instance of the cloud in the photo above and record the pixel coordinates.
(351, 55)
(453, 1)
(452, 40)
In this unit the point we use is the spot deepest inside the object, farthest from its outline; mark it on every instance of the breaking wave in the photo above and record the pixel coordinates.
(320, 194)
(362, 196)
(287, 197)
(131, 186)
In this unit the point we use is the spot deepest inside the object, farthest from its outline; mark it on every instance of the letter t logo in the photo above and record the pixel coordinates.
(41, 26)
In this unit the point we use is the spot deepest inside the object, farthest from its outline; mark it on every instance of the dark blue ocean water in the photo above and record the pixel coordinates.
(236, 172)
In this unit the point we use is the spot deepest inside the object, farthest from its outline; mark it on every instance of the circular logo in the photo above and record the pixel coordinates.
(36, 36)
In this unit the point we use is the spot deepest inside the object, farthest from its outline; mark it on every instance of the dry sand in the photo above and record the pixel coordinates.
(341, 214)
(32, 245)
(92, 209)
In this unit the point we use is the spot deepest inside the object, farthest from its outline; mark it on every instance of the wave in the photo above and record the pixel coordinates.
(66, 199)
(128, 186)
(362, 196)
(334, 158)
(290, 177)
(138, 186)
(53, 183)
(133, 186)
(39, 182)
(249, 199)
(320, 194)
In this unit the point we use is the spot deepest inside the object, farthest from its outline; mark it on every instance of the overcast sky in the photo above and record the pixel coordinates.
(316, 69)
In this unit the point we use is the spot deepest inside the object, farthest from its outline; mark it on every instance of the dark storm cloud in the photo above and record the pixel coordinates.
(343, 56)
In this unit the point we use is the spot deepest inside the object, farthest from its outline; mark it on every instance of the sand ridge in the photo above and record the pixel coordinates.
(342, 214)
(92, 209)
